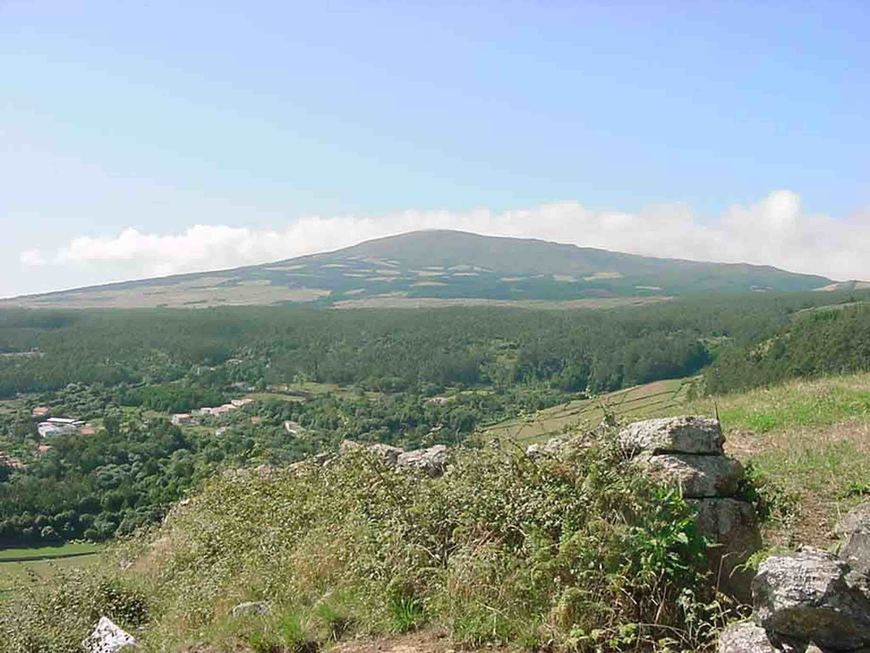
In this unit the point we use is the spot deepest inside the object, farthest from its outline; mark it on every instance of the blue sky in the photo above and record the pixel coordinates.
(150, 118)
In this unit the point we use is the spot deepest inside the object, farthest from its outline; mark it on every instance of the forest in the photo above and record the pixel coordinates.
(404, 377)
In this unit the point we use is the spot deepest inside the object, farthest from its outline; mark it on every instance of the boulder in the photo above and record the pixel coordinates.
(432, 460)
(687, 434)
(813, 596)
(733, 528)
(855, 529)
(744, 637)
(698, 476)
(251, 608)
(108, 638)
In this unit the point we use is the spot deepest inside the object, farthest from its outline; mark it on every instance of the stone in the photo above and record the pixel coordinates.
(856, 551)
(813, 596)
(732, 526)
(390, 455)
(687, 434)
(346, 446)
(857, 519)
(855, 529)
(108, 638)
(744, 637)
(552, 447)
(249, 608)
(433, 460)
(387, 453)
(698, 476)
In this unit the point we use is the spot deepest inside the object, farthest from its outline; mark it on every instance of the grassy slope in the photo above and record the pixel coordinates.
(812, 440)
(809, 439)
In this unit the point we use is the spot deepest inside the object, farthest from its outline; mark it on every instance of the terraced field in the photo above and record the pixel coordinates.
(638, 402)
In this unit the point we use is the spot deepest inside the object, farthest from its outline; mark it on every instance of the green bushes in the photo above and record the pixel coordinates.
(55, 617)
(503, 548)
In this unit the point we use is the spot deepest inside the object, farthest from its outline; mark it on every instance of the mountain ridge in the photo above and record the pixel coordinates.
(437, 265)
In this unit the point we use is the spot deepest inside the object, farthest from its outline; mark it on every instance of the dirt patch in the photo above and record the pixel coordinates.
(429, 641)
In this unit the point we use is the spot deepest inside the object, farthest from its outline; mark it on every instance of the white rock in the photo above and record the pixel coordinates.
(108, 638)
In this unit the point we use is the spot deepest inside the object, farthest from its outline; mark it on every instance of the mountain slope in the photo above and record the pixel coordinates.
(439, 266)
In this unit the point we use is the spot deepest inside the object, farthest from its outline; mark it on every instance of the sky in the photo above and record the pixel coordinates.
(148, 138)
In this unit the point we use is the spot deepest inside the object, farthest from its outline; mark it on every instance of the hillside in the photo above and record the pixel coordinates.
(503, 550)
(426, 268)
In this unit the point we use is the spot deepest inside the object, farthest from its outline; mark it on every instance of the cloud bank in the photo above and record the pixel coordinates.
(774, 231)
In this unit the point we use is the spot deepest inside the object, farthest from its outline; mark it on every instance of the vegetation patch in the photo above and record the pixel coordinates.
(503, 548)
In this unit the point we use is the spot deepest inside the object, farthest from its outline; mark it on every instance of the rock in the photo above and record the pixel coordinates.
(432, 460)
(744, 637)
(733, 527)
(857, 519)
(813, 596)
(698, 476)
(856, 551)
(346, 446)
(390, 455)
(552, 447)
(688, 434)
(108, 638)
(855, 528)
(251, 608)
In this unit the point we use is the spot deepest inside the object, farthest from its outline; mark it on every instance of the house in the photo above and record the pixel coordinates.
(88, 429)
(43, 448)
(238, 403)
(41, 411)
(217, 410)
(55, 426)
(181, 419)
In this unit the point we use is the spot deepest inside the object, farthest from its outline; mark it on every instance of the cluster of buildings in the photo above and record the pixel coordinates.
(182, 419)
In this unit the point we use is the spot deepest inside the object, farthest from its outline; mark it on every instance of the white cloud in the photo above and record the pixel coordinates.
(774, 231)
(31, 258)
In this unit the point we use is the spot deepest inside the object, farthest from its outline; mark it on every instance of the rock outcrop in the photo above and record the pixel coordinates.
(745, 637)
(813, 596)
(854, 528)
(688, 452)
(432, 460)
(811, 601)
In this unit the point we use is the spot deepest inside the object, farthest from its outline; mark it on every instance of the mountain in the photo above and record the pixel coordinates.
(436, 268)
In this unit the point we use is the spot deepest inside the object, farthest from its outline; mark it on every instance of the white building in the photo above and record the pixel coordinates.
(55, 426)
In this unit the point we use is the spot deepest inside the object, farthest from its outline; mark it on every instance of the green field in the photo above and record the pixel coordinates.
(16, 565)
